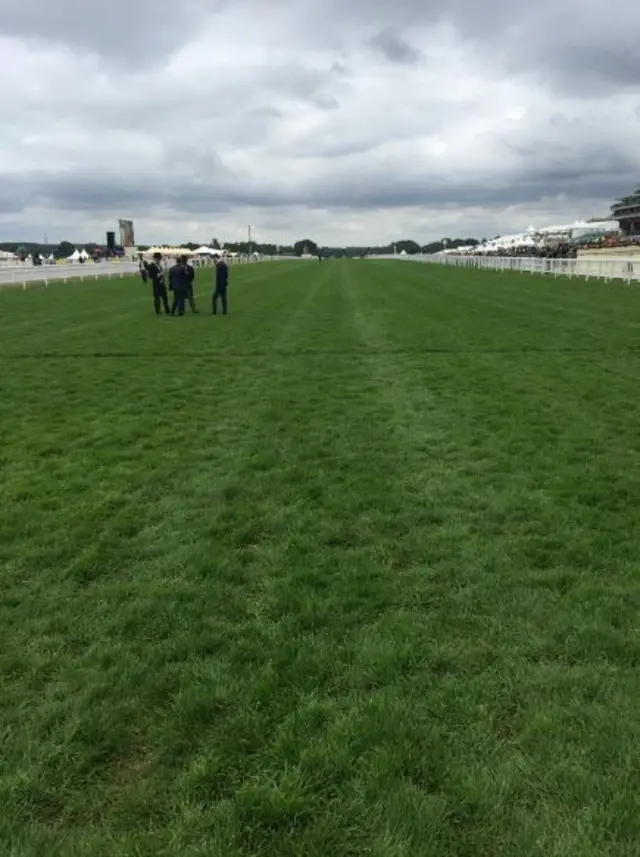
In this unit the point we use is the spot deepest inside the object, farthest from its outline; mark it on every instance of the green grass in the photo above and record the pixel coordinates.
(353, 571)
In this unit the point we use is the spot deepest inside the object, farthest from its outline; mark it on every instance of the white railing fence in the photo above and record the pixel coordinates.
(26, 273)
(603, 268)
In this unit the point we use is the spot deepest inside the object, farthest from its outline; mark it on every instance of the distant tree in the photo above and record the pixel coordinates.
(64, 249)
(305, 246)
(407, 246)
(452, 243)
(266, 249)
(215, 244)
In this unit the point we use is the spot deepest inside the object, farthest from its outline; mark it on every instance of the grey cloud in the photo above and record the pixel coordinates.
(333, 147)
(395, 49)
(598, 174)
(339, 68)
(253, 127)
(238, 107)
(193, 162)
(325, 101)
(12, 201)
(578, 163)
(265, 113)
(486, 192)
(142, 32)
(83, 191)
(352, 139)
(255, 89)
(575, 44)
(571, 48)
(598, 67)
(578, 45)
(318, 86)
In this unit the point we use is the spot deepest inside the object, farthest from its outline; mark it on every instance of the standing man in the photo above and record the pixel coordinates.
(191, 275)
(179, 285)
(155, 273)
(222, 281)
(143, 268)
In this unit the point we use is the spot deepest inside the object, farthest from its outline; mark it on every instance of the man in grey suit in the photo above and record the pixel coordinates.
(179, 285)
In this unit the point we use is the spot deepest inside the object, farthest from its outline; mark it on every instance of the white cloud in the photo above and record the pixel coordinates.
(363, 122)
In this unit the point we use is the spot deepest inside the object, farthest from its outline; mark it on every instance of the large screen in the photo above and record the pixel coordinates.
(126, 233)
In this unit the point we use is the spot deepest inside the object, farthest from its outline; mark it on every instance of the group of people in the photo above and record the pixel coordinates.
(180, 279)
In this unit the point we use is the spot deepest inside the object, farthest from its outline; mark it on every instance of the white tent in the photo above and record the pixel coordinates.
(206, 251)
(169, 251)
(83, 255)
(595, 226)
(74, 257)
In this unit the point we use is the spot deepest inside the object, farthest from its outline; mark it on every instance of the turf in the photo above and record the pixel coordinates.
(352, 571)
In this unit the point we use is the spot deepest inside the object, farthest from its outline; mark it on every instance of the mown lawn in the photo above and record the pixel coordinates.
(352, 571)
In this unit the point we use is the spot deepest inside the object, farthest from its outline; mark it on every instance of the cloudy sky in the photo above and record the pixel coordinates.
(346, 121)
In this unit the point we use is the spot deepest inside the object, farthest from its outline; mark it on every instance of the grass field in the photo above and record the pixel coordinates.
(352, 571)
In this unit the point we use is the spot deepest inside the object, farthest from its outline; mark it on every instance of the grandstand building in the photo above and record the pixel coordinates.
(627, 212)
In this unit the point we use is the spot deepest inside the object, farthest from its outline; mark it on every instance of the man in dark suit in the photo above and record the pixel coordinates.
(191, 275)
(222, 281)
(179, 285)
(143, 265)
(155, 272)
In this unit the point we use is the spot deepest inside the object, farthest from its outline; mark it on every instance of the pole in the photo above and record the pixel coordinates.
(249, 240)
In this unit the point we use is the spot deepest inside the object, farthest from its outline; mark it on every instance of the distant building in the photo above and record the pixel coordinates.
(627, 213)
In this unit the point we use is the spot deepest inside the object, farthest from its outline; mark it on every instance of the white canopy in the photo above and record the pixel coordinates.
(74, 256)
(206, 251)
(169, 251)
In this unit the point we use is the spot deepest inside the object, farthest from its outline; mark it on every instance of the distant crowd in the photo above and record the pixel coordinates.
(567, 249)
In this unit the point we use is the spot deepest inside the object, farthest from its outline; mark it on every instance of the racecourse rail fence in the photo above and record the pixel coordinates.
(626, 268)
(23, 275)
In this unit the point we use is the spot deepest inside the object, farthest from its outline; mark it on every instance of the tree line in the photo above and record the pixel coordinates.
(307, 245)
(298, 248)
